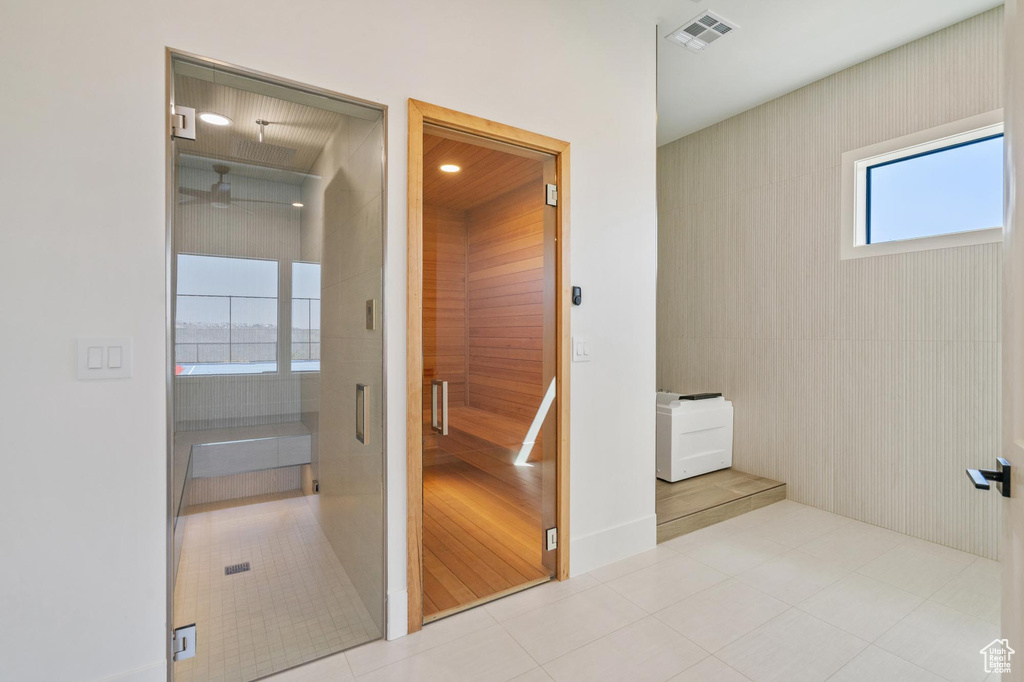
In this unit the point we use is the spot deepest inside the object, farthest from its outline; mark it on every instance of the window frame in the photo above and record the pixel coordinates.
(291, 315)
(855, 165)
(278, 371)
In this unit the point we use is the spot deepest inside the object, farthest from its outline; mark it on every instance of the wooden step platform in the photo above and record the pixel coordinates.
(691, 504)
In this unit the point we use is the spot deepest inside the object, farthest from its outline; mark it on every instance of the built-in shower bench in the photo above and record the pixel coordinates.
(222, 452)
(228, 463)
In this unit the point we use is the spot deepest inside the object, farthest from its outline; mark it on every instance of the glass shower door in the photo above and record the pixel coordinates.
(277, 460)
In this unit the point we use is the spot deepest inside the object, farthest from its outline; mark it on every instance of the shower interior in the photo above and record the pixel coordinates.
(277, 261)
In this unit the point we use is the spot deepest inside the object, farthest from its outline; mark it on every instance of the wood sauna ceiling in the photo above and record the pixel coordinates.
(485, 175)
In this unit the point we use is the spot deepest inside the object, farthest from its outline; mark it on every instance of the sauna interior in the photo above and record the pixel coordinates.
(488, 359)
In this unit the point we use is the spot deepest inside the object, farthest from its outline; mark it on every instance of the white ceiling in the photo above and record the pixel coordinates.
(782, 45)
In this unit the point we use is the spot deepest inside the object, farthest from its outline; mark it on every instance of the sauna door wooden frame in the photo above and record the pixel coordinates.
(421, 113)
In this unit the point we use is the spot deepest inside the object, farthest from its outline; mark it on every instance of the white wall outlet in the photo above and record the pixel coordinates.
(104, 357)
(580, 349)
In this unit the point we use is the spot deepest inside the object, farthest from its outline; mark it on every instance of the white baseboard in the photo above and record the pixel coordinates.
(398, 614)
(612, 544)
(154, 672)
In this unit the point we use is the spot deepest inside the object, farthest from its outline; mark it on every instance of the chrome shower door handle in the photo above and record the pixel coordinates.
(439, 425)
(361, 413)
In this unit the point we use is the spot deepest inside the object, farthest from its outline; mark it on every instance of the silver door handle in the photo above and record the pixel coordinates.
(361, 416)
(441, 428)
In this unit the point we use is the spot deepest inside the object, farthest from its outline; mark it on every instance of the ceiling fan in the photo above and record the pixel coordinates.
(219, 194)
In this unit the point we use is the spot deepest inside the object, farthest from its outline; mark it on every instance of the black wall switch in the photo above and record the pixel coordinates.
(577, 295)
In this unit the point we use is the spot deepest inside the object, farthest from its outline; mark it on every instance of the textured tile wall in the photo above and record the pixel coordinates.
(866, 385)
(351, 474)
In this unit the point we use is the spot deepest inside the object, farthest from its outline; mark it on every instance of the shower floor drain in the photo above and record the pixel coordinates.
(236, 568)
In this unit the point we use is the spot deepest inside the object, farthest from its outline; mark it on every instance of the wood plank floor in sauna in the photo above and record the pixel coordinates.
(482, 523)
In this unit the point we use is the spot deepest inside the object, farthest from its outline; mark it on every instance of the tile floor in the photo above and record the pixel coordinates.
(296, 604)
(786, 592)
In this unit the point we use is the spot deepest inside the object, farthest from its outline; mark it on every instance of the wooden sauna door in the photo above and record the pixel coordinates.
(488, 381)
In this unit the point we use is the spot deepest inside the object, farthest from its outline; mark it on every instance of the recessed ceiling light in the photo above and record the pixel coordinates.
(214, 119)
(450, 168)
(298, 204)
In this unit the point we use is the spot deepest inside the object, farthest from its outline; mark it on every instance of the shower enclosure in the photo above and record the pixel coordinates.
(276, 378)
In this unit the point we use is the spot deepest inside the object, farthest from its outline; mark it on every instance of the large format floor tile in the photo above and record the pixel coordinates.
(490, 655)
(793, 577)
(793, 647)
(877, 665)
(942, 640)
(542, 595)
(801, 616)
(795, 524)
(381, 653)
(917, 566)
(535, 675)
(647, 650)
(667, 582)
(334, 668)
(721, 614)
(861, 606)
(853, 544)
(710, 670)
(736, 553)
(633, 563)
(976, 591)
(568, 624)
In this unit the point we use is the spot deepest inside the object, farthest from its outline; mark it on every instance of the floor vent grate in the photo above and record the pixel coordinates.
(236, 568)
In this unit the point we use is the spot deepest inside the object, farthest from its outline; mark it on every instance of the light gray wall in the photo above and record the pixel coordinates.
(866, 385)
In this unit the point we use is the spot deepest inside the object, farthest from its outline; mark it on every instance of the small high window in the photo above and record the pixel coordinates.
(939, 188)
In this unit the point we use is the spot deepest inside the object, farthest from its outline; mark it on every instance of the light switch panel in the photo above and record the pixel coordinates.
(104, 357)
(580, 349)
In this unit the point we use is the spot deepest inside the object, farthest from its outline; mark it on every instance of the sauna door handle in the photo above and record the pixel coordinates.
(361, 413)
(1001, 475)
(439, 425)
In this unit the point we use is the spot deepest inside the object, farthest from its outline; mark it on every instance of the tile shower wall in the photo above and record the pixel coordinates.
(346, 221)
(866, 385)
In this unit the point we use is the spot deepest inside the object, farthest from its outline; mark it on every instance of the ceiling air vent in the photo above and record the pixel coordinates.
(701, 31)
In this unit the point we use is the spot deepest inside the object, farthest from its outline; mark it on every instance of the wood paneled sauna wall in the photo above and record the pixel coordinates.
(505, 303)
(483, 271)
(444, 307)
